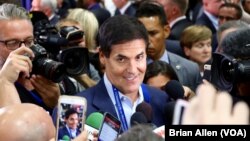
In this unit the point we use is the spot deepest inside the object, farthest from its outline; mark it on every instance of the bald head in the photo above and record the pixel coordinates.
(27, 122)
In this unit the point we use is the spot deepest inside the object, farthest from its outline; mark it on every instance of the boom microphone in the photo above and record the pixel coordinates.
(174, 89)
(146, 109)
(138, 118)
(95, 120)
(93, 124)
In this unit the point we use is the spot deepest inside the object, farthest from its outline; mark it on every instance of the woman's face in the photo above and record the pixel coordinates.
(200, 52)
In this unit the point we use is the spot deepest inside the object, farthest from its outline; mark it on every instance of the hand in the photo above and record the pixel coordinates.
(48, 90)
(82, 137)
(188, 93)
(17, 62)
(213, 107)
(85, 80)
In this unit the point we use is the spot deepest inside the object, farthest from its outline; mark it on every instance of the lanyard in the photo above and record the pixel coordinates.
(119, 107)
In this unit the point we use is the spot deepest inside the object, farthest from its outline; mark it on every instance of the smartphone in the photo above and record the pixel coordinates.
(110, 128)
(178, 111)
(71, 115)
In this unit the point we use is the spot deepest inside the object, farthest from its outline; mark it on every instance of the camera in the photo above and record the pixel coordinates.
(71, 33)
(45, 66)
(52, 60)
(226, 71)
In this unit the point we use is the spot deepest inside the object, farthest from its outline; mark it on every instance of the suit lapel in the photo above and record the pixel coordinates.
(102, 100)
(176, 64)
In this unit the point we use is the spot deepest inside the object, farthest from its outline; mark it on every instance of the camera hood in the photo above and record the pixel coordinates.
(227, 71)
(75, 59)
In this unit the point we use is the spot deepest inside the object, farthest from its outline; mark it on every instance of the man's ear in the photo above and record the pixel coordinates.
(102, 58)
(166, 29)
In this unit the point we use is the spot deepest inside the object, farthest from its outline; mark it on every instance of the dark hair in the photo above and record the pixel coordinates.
(152, 8)
(70, 112)
(237, 43)
(160, 67)
(118, 30)
(235, 6)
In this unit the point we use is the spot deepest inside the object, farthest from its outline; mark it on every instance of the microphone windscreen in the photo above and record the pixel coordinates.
(146, 109)
(174, 89)
(66, 138)
(169, 112)
(95, 120)
(138, 118)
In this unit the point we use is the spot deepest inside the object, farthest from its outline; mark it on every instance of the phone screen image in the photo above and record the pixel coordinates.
(110, 128)
(70, 120)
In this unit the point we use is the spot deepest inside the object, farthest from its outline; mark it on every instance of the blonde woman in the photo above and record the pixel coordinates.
(88, 23)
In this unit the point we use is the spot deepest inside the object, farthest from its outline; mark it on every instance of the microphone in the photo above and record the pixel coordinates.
(66, 138)
(169, 112)
(146, 109)
(174, 89)
(93, 124)
(95, 120)
(138, 118)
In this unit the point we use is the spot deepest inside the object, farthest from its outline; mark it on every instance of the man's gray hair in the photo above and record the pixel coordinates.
(10, 11)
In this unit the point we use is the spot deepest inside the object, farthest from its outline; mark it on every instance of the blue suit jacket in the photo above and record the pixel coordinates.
(98, 100)
(64, 131)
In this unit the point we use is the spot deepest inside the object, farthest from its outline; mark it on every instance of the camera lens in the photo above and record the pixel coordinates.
(52, 70)
(75, 60)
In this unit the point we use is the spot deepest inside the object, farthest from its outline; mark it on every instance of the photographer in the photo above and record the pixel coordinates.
(86, 80)
(15, 41)
(230, 69)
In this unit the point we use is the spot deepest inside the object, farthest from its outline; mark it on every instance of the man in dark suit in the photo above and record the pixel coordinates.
(124, 7)
(152, 15)
(175, 11)
(70, 130)
(123, 54)
(48, 7)
(209, 18)
(97, 8)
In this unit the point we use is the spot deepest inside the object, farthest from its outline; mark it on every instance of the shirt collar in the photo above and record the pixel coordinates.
(176, 20)
(124, 8)
(164, 58)
(71, 131)
(111, 93)
(213, 19)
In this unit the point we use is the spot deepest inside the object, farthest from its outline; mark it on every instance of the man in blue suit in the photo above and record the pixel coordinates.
(70, 130)
(123, 54)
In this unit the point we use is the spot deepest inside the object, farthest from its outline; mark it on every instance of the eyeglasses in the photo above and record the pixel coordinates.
(14, 44)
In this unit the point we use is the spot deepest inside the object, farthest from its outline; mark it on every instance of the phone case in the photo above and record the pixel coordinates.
(71, 116)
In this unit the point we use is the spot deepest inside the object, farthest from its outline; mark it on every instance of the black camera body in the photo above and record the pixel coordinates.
(227, 71)
(45, 66)
(71, 33)
(51, 60)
